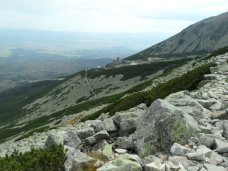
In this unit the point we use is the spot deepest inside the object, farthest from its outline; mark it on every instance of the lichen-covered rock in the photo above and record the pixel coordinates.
(85, 133)
(161, 126)
(96, 138)
(126, 121)
(109, 125)
(124, 142)
(123, 163)
(201, 154)
(68, 138)
(82, 161)
(179, 150)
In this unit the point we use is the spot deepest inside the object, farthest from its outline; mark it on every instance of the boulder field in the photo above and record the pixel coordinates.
(186, 131)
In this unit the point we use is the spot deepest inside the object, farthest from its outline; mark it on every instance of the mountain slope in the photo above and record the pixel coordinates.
(201, 37)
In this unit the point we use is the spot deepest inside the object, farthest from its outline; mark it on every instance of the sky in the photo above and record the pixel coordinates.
(157, 16)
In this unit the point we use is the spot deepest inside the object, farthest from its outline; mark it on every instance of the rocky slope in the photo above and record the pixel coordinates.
(184, 131)
(201, 37)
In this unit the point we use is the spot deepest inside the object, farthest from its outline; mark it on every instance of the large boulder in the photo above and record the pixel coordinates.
(201, 154)
(109, 125)
(96, 138)
(82, 161)
(85, 133)
(68, 138)
(124, 142)
(126, 121)
(162, 125)
(179, 150)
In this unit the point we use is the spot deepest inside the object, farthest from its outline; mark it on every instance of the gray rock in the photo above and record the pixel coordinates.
(185, 102)
(179, 150)
(206, 130)
(85, 133)
(222, 114)
(176, 160)
(124, 142)
(153, 167)
(161, 126)
(96, 138)
(132, 157)
(68, 138)
(221, 146)
(109, 125)
(101, 135)
(207, 103)
(97, 125)
(217, 106)
(225, 128)
(194, 168)
(126, 122)
(90, 141)
(151, 159)
(102, 117)
(210, 167)
(121, 151)
(121, 164)
(82, 161)
(219, 125)
(215, 158)
(206, 140)
(69, 157)
(200, 155)
(107, 151)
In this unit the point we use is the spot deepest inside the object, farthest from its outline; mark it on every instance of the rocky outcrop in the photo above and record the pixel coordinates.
(162, 125)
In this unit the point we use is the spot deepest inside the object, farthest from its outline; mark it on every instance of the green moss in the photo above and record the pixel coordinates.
(147, 150)
(179, 129)
(226, 80)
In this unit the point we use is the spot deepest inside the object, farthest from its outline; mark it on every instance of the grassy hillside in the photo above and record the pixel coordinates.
(20, 96)
(11, 101)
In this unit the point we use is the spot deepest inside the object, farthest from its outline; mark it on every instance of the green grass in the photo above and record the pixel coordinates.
(18, 100)
(11, 101)
(50, 159)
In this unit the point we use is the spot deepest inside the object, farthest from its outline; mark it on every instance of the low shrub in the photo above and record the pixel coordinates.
(187, 81)
(50, 159)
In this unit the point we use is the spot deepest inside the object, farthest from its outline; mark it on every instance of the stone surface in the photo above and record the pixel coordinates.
(181, 160)
(161, 126)
(206, 140)
(121, 151)
(221, 146)
(68, 138)
(225, 128)
(200, 155)
(82, 161)
(121, 164)
(97, 137)
(124, 142)
(85, 133)
(179, 150)
(210, 167)
(126, 122)
(109, 125)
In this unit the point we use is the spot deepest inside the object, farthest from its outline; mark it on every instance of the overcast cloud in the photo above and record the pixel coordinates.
(158, 16)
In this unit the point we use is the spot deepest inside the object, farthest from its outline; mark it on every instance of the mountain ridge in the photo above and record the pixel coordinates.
(199, 38)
